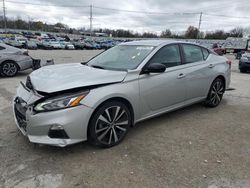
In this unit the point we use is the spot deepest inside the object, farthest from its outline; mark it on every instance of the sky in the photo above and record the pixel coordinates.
(142, 16)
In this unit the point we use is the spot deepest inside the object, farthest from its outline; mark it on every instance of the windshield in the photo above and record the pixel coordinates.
(121, 57)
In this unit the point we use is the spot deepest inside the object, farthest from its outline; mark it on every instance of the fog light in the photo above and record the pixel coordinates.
(57, 131)
(56, 127)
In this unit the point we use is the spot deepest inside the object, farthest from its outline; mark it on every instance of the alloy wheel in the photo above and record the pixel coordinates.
(9, 69)
(216, 92)
(112, 125)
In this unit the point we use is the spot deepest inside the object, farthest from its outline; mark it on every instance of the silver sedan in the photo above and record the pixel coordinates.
(13, 60)
(100, 100)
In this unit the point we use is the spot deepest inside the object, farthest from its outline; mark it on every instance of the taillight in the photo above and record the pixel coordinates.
(229, 63)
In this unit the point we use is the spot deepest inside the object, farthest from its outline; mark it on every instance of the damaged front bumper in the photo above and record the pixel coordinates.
(37, 63)
(57, 128)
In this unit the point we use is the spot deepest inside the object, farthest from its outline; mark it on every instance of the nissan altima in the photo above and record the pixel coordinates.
(100, 100)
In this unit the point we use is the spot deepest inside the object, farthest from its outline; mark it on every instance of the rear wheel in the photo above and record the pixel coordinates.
(215, 94)
(109, 124)
(9, 68)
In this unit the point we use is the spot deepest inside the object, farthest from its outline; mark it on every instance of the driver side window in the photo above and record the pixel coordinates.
(168, 55)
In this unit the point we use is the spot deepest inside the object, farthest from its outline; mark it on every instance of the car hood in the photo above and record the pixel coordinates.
(54, 78)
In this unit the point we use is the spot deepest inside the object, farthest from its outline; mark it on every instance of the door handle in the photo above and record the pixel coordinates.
(181, 75)
(211, 65)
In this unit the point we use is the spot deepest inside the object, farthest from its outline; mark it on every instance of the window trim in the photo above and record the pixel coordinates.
(180, 52)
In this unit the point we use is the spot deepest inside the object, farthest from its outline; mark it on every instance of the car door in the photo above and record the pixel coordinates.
(198, 73)
(160, 90)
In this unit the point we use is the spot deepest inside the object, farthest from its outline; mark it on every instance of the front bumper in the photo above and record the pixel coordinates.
(37, 126)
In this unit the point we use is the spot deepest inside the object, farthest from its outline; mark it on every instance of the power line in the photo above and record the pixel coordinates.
(39, 4)
(145, 12)
(226, 16)
(132, 11)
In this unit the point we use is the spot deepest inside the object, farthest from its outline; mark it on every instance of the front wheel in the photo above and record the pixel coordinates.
(109, 124)
(215, 93)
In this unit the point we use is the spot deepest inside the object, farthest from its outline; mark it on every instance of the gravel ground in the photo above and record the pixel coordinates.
(191, 147)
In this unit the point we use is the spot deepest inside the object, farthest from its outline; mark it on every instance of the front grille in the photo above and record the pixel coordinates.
(28, 83)
(20, 111)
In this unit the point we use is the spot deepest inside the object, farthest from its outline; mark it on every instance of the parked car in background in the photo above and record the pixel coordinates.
(56, 45)
(30, 44)
(13, 60)
(218, 49)
(106, 44)
(69, 46)
(14, 43)
(100, 101)
(88, 45)
(244, 63)
(44, 44)
(22, 40)
(79, 45)
(239, 54)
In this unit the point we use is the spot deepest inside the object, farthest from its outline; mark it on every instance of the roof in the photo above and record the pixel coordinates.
(148, 42)
(151, 42)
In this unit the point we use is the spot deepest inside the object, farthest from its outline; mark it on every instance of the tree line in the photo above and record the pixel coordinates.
(191, 32)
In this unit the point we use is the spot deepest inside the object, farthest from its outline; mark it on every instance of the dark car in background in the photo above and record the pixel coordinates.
(244, 63)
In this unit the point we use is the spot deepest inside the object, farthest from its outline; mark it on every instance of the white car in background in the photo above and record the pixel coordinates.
(69, 46)
(56, 45)
(13, 60)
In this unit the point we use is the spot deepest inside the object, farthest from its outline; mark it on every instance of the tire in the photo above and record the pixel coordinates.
(9, 68)
(109, 124)
(215, 93)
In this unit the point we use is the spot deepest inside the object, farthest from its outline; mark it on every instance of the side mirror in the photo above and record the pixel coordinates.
(155, 68)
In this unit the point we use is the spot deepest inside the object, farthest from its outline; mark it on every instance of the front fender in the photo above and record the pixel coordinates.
(126, 90)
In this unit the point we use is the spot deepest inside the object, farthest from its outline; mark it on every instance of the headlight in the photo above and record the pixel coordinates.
(59, 102)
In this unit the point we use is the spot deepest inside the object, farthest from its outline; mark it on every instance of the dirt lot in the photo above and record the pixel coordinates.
(192, 147)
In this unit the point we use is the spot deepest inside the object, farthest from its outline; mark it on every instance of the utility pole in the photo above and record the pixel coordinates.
(29, 22)
(4, 17)
(90, 19)
(200, 20)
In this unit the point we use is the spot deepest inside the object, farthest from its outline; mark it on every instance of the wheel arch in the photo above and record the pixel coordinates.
(119, 99)
(222, 78)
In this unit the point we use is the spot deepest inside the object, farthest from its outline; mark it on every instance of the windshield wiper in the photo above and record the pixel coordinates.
(97, 66)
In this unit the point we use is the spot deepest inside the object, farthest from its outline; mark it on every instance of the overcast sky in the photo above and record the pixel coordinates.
(174, 17)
